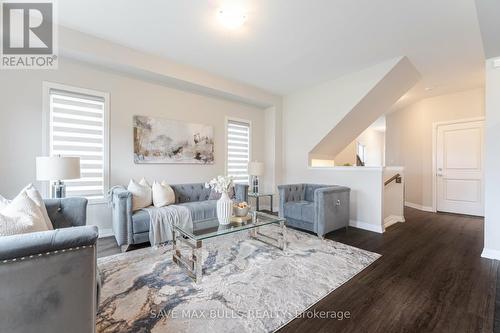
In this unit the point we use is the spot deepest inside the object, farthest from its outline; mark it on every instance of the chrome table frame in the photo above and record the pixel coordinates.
(193, 264)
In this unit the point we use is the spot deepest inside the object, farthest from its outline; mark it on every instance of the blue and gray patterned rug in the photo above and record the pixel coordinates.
(247, 286)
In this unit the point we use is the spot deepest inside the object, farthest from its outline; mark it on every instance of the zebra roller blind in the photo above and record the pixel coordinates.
(77, 127)
(238, 150)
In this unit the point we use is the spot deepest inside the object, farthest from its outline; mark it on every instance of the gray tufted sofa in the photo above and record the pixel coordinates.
(316, 208)
(133, 227)
(48, 278)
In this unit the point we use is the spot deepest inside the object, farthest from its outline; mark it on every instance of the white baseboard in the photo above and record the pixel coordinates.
(105, 232)
(419, 207)
(366, 226)
(491, 254)
(393, 219)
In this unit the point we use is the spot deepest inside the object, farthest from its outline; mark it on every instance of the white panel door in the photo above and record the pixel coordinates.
(460, 163)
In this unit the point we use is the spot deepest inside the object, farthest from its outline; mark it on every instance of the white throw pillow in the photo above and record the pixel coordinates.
(37, 199)
(20, 216)
(141, 194)
(163, 194)
(34, 195)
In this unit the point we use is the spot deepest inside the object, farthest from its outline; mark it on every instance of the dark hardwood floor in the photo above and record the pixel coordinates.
(107, 247)
(430, 278)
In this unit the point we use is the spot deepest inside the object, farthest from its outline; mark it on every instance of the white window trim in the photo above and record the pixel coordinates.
(250, 138)
(46, 87)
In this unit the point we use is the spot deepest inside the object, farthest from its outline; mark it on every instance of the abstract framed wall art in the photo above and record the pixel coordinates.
(164, 141)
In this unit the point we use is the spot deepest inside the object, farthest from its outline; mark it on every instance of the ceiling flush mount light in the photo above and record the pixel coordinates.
(231, 18)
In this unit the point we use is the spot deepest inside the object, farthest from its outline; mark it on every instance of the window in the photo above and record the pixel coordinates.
(238, 150)
(76, 124)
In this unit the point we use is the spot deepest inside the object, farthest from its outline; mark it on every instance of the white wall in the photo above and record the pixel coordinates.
(374, 142)
(409, 137)
(310, 115)
(347, 157)
(345, 107)
(366, 191)
(103, 53)
(393, 211)
(492, 173)
(21, 121)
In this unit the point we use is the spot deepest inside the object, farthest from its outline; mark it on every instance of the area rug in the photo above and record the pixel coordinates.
(247, 286)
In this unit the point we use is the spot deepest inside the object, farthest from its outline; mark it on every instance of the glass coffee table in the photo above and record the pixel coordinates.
(194, 235)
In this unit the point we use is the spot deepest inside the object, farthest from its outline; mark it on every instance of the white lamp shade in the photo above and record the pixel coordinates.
(57, 168)
(255, 168)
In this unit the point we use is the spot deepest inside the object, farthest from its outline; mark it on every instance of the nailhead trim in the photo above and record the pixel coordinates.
(47, 253)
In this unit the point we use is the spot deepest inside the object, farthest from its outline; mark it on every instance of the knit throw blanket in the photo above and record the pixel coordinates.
(162, 221)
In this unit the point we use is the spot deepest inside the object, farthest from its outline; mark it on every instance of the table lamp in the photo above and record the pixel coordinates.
(57, 169)
(255, 169)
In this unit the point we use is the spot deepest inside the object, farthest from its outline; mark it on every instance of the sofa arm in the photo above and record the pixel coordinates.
(121, 211)
(30, 244)
(330, 206)
(283, 199)
(52, 275)
(241, 192)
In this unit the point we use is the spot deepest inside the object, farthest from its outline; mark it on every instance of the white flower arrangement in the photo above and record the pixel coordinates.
(220, 184)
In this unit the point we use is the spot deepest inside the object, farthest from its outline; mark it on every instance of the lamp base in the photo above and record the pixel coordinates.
(58, 190)
(255, 184)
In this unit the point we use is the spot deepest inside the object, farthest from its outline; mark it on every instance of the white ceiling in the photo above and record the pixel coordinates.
(487, 12)
(287, 45)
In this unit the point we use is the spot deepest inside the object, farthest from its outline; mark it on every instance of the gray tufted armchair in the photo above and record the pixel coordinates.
(316, 208)
(48, 278)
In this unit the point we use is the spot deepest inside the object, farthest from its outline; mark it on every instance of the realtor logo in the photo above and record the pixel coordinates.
(28, 35)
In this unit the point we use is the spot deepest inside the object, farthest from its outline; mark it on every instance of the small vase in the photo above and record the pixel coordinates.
(224, 209)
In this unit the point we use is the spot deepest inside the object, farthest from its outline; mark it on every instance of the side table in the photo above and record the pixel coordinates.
(257, 197)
